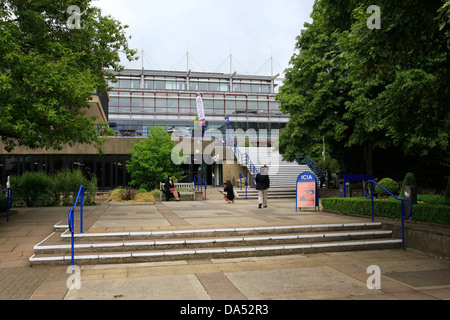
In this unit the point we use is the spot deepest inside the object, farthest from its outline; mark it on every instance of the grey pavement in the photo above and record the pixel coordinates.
(405, 275)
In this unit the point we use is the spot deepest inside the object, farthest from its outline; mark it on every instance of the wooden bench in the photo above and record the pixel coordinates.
(182, 188)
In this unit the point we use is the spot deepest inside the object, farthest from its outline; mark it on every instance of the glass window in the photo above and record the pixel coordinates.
(236, 87)
(213, 86)
(124, 104)
(224, 87)
(135, 84)
(265, 88)
(181, 85)
(159, 85)
(171, 85)
(172, 104)
(241, 106)
(193, 85)
(230, 106)
(137, 102)
(263, 106)
(256, 88)
(149, 84)
(124, 84)
(149, 104)
(203, 86)
(246, 87)
(274, 107)
(252, 106)
(113, 101)
(208, 103)
(219, 104)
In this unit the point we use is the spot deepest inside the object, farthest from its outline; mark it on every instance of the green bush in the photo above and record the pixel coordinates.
(424, 212)
(38, 189)
(142, 190)
(35, 189)
(409, 180)
(389, 185)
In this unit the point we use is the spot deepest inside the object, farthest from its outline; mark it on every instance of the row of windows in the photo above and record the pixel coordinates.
(181, 85)
(175, 104)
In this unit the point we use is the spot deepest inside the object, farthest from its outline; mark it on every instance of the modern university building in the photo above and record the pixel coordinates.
(246, 104)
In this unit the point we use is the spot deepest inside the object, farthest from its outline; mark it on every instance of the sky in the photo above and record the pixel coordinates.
(251, 30)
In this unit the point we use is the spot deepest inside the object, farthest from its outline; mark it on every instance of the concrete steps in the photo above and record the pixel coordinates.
(132, 247)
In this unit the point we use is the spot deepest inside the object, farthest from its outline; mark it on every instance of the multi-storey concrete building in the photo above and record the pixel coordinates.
(142, 98)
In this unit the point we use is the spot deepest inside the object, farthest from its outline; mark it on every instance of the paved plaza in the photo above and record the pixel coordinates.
(405, 275)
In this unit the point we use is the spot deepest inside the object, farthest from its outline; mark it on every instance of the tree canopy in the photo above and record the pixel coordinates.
(152, 159)
(377, 96)
(49, 68)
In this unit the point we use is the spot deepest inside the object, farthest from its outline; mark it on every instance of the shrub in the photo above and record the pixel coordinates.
(142, 190)
(425, 212)
(115, 195)
(67, 184)
(389, 185)
(144, 197)
(128, 194)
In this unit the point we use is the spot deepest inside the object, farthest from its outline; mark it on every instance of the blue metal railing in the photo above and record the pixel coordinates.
(304, 159)
(243, 158)
(199, 183)
(80, 196)
(8, 201)
(395, 197)
(241, 176)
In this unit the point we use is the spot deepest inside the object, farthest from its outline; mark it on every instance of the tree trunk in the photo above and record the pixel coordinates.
(368, 157)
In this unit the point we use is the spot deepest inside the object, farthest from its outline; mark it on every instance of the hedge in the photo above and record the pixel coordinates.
(422, 212)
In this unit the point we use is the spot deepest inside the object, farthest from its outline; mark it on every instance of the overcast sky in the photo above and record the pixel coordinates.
(210, 28)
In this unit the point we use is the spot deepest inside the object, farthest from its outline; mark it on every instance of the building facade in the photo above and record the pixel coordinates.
(141, 98)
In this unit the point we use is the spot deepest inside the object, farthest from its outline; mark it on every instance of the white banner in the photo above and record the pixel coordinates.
(200, 110)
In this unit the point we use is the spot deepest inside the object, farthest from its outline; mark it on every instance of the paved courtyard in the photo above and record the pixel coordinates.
(406, 275)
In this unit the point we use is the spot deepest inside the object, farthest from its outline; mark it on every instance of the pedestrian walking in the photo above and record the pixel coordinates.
(262, 185)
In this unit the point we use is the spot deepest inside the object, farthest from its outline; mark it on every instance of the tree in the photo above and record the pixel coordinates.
(371, 93)
(151, 160)
(49, 71)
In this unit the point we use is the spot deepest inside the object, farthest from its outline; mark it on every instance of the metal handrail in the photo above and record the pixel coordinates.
(199, 182)
(80, 196)
(8, 201)
(241, 176)
(395, 197)
(311, 164)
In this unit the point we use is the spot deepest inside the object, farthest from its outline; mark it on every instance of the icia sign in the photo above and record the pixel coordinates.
(307, 196)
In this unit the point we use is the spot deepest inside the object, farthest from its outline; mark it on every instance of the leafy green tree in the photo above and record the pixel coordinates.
(152, 160)
(373, 94)
(49, 71)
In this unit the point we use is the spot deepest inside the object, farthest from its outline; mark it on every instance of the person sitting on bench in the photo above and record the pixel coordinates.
(170, 190)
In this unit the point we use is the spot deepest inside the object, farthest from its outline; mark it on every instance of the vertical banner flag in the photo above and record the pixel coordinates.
(200, 110)
(307, 196)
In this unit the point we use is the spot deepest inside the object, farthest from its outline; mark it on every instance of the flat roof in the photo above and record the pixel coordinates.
(193, 74)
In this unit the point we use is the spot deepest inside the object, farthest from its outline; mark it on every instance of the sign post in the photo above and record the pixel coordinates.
(307, 196)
